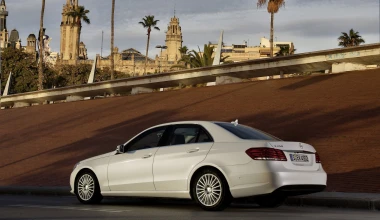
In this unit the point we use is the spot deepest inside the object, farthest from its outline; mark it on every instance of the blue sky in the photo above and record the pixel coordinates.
(310, 24)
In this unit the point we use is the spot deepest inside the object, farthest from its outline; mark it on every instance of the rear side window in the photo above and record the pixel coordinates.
(185, 135)
(245, 132)
(189, 134)
(203, 137)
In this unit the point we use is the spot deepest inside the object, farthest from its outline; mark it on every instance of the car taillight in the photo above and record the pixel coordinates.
(317, 158)
(266, 154)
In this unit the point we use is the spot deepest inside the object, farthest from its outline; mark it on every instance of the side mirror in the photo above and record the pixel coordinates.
(120, 149)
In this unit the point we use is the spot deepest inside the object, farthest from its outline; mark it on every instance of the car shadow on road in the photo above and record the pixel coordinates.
(164, 203)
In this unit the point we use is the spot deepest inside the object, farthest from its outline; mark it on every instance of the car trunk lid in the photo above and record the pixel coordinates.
(300, 156)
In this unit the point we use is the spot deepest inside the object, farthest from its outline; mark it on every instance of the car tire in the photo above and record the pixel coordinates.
(210, 190)
(270, 201)
(87, 188)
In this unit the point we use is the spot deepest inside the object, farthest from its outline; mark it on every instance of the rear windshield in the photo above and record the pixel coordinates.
(245, 132)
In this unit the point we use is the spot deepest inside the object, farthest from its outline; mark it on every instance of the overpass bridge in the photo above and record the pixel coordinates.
(355, 57)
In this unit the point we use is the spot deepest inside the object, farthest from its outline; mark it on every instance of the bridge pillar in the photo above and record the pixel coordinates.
(74, 98)
(220, 80)
(21, 105)
(344, 67)
(139, 90)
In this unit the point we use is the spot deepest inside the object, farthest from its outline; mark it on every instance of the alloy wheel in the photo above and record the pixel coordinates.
(86, 187)
(209, 189)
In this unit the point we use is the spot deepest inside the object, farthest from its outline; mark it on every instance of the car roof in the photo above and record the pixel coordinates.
(188, 122)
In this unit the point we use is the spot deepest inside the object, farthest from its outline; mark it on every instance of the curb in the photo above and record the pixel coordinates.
(347, 203)
(363, 201)
(37, 191)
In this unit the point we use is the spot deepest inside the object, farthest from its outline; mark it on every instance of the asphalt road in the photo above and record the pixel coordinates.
(58, 208)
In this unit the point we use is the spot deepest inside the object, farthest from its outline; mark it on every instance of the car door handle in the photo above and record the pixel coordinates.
(147, 156)
(193, 150)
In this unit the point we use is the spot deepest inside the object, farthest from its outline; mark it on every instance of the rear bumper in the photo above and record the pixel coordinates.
(295, 190)
(250, 183)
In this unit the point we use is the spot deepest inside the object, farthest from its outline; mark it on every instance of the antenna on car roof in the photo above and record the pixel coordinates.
(236, 122)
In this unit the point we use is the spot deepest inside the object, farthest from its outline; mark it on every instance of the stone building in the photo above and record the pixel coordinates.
(243, 52)
(131, 61)
(3, 25)
(31, 45)
(70, 32)
(173, 42)
(82, 51)
(14, 40)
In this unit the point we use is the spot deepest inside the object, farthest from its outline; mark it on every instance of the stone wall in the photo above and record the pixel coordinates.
(339, 114)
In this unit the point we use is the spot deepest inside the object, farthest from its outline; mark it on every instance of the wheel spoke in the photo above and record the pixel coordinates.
(208, 189)
(86, 187)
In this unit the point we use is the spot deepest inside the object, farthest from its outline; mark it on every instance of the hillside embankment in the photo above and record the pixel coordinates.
(338, 114)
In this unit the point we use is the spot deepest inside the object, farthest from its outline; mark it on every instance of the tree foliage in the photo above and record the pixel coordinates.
(148, 23)
(273, 6)
(79, 14)
(285, 51)
(350, 39)
(195, 59)
(24, 70)
(25, 73)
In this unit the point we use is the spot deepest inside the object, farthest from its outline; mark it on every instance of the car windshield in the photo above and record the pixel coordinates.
(245, 132)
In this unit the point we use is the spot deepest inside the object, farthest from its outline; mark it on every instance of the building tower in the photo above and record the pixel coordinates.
(69, 33)
(3, 25)
(14, 40)
(31, 44)
(82, 51)
(173, 40)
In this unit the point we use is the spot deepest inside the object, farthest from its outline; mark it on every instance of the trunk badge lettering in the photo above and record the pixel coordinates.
(301, 146)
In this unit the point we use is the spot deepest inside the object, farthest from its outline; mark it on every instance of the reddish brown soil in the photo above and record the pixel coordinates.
(338, 114)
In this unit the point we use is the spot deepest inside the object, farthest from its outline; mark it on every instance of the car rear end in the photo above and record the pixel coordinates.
(269, 165)
(295, 167)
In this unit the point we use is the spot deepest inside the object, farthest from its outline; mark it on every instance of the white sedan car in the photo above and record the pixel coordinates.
(209, 162)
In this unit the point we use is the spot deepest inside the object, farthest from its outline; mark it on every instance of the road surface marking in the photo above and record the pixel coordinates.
(69, 208)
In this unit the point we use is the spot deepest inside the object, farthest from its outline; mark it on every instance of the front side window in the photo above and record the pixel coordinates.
(148, 139)
(245, 132)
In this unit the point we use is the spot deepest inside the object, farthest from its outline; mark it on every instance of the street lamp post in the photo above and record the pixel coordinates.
(159, 59)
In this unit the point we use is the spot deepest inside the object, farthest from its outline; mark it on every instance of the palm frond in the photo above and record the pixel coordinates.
(350, 39)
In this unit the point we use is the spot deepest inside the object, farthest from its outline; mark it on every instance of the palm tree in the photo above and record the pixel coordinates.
(196, 59)
(350, 39)
(183, 50)
(273, 7)
(148, 22)
(112, 40)
(79, 14)
(41, 57)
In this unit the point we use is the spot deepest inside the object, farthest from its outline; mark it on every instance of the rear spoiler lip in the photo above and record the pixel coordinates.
(300, 151)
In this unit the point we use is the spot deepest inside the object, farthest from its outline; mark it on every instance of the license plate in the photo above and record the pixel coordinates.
(299, 158)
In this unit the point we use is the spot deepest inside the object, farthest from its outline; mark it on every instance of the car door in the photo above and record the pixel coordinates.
(132, 170)
(187, 145)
